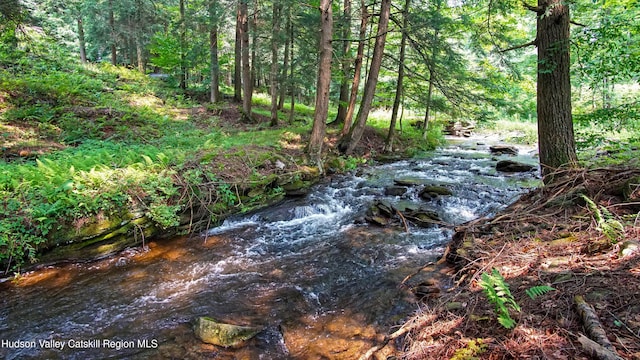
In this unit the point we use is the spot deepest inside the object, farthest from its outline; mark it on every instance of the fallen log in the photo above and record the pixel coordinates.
(600, 347)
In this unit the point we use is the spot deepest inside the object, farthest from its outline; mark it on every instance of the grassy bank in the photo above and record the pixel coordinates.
(81, 143)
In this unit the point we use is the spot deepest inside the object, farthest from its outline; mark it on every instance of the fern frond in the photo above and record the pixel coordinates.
(497, 292)
(540, 290)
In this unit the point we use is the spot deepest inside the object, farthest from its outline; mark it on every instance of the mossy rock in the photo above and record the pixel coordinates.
(217, 333)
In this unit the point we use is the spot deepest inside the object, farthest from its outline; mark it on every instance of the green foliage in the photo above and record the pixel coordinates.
(536, 291)
(497, 292)
(608, 225)
(471, 351)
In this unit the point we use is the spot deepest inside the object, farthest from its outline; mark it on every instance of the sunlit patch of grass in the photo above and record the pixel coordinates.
(139, 100)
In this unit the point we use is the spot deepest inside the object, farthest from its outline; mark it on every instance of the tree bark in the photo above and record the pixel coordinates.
(388, 146)
(237, 69)
(183, 57)
(112, 28)
(285, 65)
(345, 64)
(247, 87)
(349, 142)
(213, 51)
(277, 12)
(427, 110)
(139, 43)
(357, 71)
(324, 81)
(255, 79)
(555, 124)
(81, 41)
(291, 83)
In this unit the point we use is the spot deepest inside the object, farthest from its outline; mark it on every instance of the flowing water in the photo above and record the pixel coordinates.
(320, 281)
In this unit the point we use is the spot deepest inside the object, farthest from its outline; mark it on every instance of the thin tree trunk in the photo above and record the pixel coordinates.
(345, 64)
(427, 111)
(255, 79)
(432, 74)
(348, 143)
(555, 125)
(138, 34)
(353, 96)
(81, 41)
(285, 65)
(388, 146)
(213, 51)
(247, 87)
(183, 57)
(237, 69)
(277, 12)
(112, 29)
(324, 81)
(291, 83)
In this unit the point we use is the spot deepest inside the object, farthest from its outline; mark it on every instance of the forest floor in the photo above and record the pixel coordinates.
(579, 235)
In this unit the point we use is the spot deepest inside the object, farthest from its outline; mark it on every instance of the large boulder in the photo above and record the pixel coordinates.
(510, 166)
(217, 333)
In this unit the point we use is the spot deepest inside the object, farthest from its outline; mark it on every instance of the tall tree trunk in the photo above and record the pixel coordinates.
(345, 64)
(112, 29)
(285, 65)
(432, 74)
(81, 41)
(427, 110)
(357, 71)
(138, 38)
(388, 146)
(247, 87)
(324, 81)
(275, 40)
(183, 55)
(213, 51)
(349, 142)
(555, 125)
(237, 69)
(291, 83)
(255, 80)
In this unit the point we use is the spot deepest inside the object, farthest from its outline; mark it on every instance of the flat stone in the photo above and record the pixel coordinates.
(513, 166)
(433, 191)
(411, 181)
(503, 150)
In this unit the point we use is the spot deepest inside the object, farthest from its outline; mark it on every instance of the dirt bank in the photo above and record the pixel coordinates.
(578, 235)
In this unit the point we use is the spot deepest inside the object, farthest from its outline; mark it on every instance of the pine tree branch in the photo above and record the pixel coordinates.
(530, 43)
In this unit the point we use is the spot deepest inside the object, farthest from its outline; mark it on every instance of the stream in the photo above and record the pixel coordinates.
(319, 280)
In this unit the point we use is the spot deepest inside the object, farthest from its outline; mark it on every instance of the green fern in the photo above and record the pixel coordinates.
(536, 291)
(497, 292)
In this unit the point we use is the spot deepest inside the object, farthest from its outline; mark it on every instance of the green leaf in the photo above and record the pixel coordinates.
(540, 290)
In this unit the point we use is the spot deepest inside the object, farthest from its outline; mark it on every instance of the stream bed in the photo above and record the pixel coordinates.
(321, 281)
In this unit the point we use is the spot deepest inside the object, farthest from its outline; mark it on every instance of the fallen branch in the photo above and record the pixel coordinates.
(596, 350)
(404, 221)
(604, 349)
(403, 330)
(416, 272)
